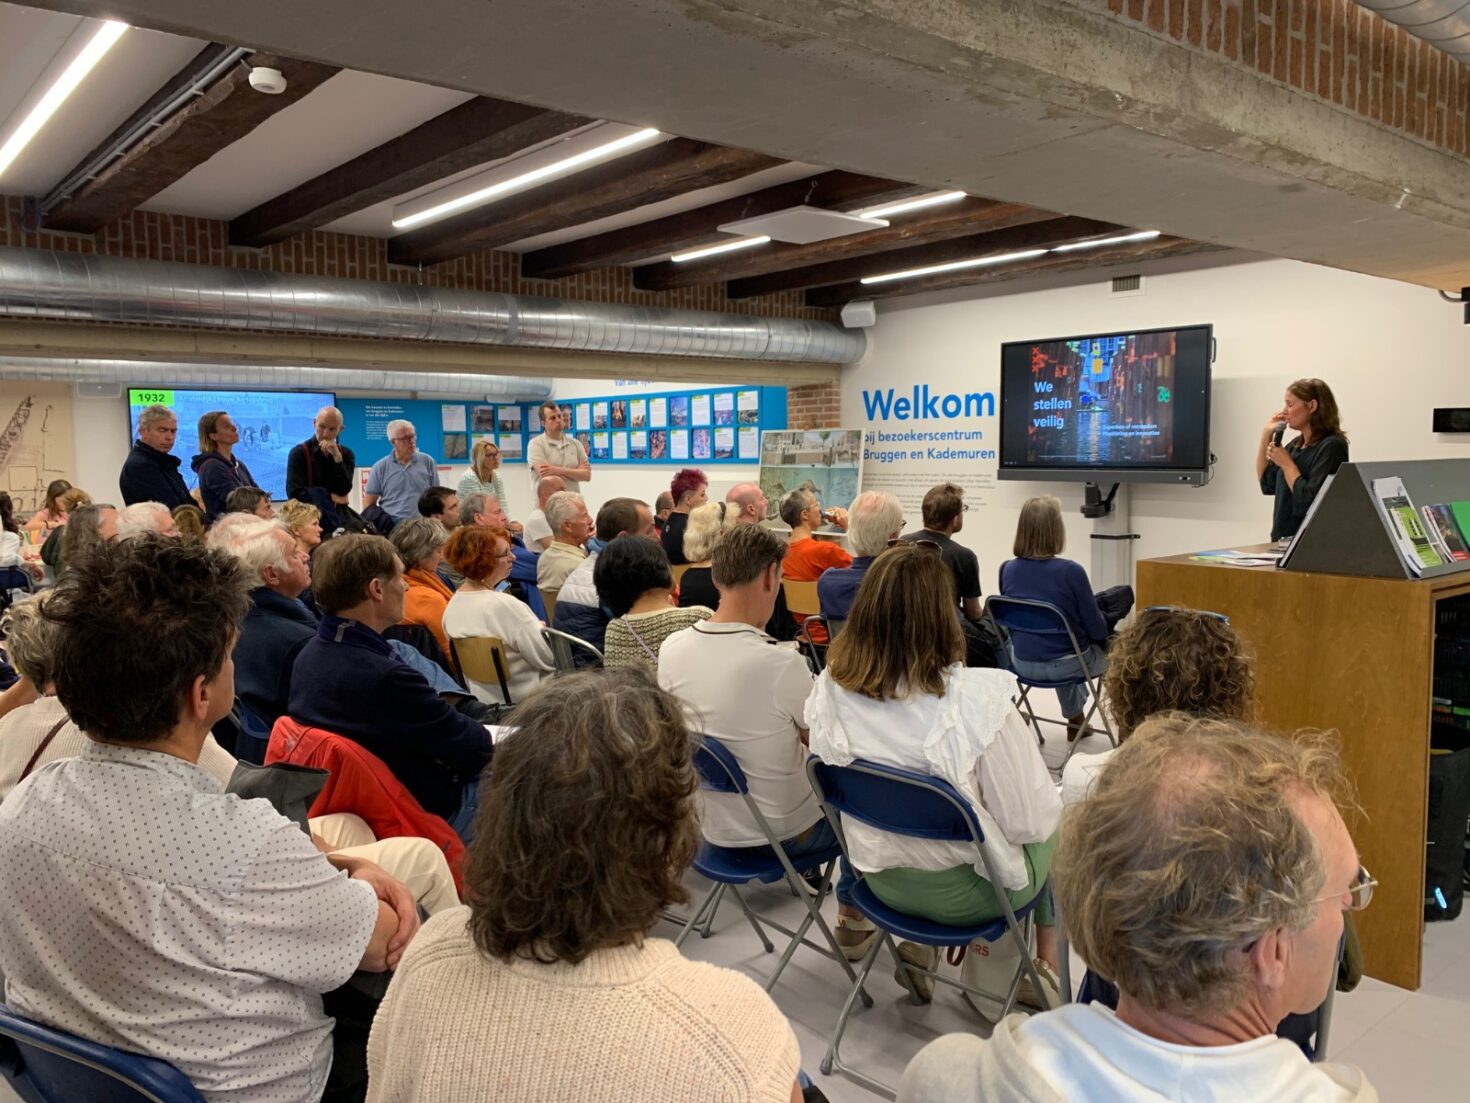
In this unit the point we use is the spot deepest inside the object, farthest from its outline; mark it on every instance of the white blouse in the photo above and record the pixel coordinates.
(971, 737)
(491, 613)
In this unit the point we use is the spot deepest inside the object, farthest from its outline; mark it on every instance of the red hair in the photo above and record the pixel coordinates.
(686, 481)
(471, 550)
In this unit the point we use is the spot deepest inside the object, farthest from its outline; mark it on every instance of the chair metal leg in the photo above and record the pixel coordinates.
(814, 915)
(754, 922)
(697, 915)
(709, 919)
(833, 1059)
(1025, 704)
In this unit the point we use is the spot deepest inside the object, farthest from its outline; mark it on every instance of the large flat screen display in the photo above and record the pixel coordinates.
(271, 423)
(1120, 407)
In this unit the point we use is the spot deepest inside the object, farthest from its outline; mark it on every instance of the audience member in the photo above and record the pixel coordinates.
(483, 556)
(944, 512)
(689, 490)
(349, 681)
(703, 528)
(396, 481)
(304, 521)
(566, 513)
(557, 452)
(537, 532)
(51, 515)
(87, 528)
(895, 691)
(663, 505)
(321, 460)
(151, 471)
(749, 502)
(579, 609)
(483, 477)
(806, 556)
(189, 520)
(141, 517)
(586, 827)
(483, 510)
(217, 909)
(70, 500)
(218, 469)
(635, 584)
(873, 523)
(1038, 573)
(277, 626)
(1208, 873)
(10, 541)
(441, 504)
(419, 542)
(1169, 659)
(250, 499)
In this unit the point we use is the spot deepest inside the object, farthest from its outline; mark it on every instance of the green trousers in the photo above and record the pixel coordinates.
(960, 897)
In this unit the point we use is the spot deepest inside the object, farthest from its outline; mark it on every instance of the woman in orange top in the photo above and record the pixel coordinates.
(806, 556)
(420, 544)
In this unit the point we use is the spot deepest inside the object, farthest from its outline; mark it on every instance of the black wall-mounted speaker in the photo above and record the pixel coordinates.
(1452, 419)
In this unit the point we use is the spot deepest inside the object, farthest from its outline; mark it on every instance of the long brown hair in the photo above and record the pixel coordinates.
(904, 628)
(1325, 418)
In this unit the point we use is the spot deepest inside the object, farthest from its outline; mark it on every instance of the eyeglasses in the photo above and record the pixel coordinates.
(405, 439)
(1221, 617)
(1360, 892)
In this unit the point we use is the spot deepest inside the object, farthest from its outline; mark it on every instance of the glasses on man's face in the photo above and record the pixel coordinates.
(1359, 893)
(405, 439)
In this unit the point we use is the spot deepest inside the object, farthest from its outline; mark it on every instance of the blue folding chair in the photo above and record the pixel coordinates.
(732, 866)
(1021, 616)
(45, 1065)
(901, 802)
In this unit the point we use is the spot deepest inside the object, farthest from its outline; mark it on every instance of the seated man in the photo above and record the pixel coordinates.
(348, 680)
(277, 626)
(249, 499)
(141, 517)
(566, 513)
(485, 510)
(873, 522)
(538, 530)
(579, 611)
(1207, 873)
(147, 909)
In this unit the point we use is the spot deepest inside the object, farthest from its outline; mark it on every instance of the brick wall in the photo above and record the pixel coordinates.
(1332, 50)
(813, 406)
(147, 235)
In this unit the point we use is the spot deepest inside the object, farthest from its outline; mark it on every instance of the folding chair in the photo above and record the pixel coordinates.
(678, 570)
(802, 602)
(482, 658)
(833, 625)
(563, 644)
(1021, 616)
(548, 599)
(45, 1065)
(731, 866)
(902, 802)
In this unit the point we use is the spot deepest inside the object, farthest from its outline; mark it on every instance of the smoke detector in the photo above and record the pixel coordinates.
(271, 82)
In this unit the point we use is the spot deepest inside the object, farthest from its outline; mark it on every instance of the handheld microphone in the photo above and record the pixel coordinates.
(1278, 433)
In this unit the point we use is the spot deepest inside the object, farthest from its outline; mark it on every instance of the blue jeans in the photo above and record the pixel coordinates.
(463, 821)
(814, 840)
(1073, 697)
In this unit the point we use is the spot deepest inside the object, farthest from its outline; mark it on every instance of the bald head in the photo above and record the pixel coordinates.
(750, 501)
(551, 484)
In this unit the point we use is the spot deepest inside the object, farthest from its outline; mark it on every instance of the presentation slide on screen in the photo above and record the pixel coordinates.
(1124, 400)
(271, 423)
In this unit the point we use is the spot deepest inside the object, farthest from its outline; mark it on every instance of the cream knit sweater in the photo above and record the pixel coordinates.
(634, 1024)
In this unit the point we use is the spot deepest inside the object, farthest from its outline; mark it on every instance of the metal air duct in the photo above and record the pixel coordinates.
(1444, 24)
(75, 287)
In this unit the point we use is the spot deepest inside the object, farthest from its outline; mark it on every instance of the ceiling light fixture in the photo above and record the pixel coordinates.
(722, 247)
(907, 205)
(955, 266)
(64, 85)
(566, 165)
(1075, 246)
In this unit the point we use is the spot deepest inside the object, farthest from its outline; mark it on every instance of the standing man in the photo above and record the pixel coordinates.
(151, 472)
(399, 478)
(555, 452)
(322, 460)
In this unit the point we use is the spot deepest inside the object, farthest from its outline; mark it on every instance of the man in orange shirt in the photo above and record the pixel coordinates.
(806, 556)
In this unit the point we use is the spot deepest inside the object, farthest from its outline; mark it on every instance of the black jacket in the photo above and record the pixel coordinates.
(149, 475)
(308, 466)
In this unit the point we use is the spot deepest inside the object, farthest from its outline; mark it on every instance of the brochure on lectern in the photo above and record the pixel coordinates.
(1405, 525)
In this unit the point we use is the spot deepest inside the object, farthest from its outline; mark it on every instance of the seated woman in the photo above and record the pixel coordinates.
(1168, 660)
(477, 608)
(689, 490)
(549, 985)
(420, 544)
(87, 528)
(190, 521)
(896, 692)
(305, 522)
(11, 556)
(704, 525)
(51, 515)
(635, 584)
(249, 499)
(1038, 573)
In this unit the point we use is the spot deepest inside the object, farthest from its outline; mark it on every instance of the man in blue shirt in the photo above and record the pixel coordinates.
(396, 481)
(874, 521)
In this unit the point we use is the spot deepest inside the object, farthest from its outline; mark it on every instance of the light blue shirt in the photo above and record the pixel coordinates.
(398, 485)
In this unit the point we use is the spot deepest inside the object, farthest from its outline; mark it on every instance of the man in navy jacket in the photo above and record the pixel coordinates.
(151, 473)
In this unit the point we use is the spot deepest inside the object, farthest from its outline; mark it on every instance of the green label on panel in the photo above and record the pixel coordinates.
(138, 397)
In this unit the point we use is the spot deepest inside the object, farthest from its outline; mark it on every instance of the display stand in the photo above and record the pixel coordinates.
(1112, 540)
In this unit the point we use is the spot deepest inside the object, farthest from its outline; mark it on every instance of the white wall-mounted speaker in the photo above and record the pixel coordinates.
(99, 390)
(859, 314)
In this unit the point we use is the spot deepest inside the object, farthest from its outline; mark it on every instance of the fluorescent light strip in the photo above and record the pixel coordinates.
(722, 247)
(911, 204)
(1142, 235)
(93, 52)
(484, 195)
(955, 266)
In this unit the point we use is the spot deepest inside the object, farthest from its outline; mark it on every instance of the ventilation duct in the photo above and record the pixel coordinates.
(1444, 24)
(131, 373)
(73, 287)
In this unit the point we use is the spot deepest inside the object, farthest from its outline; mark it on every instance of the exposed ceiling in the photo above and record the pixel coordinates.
(347, 151)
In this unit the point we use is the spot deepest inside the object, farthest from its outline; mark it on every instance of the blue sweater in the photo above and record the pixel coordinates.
(1064, 584)
(347, 680)
(273, 633)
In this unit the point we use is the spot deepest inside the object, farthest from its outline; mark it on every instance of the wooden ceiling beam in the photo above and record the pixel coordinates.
(474, 133)
(964, 218)
(221, 115)
(843, 293)
(836, 189)
(649, 176)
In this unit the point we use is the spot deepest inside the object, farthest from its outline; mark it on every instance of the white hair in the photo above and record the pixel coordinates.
(397, 424)
(222, 531)
(153, 414)
(561, 507)
(474, 504)
(873, 519)
(257, 546)
(141, 517)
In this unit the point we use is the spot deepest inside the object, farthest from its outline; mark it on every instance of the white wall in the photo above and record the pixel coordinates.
(1391, 352)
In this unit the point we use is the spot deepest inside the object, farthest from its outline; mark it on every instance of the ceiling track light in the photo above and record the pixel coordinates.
(1098, 242)
(567, 165)
(955, 266)
(96, 48)
(722, 247)
(917, 204)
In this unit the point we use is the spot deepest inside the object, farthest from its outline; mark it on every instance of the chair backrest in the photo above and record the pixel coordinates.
(50, 1066)
(718, 770)
(833, 625)
(899, 802)
(564, 646)
(482, 658)
(679, 569)
(1022, 616)
(801, 598)
(548, 598)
